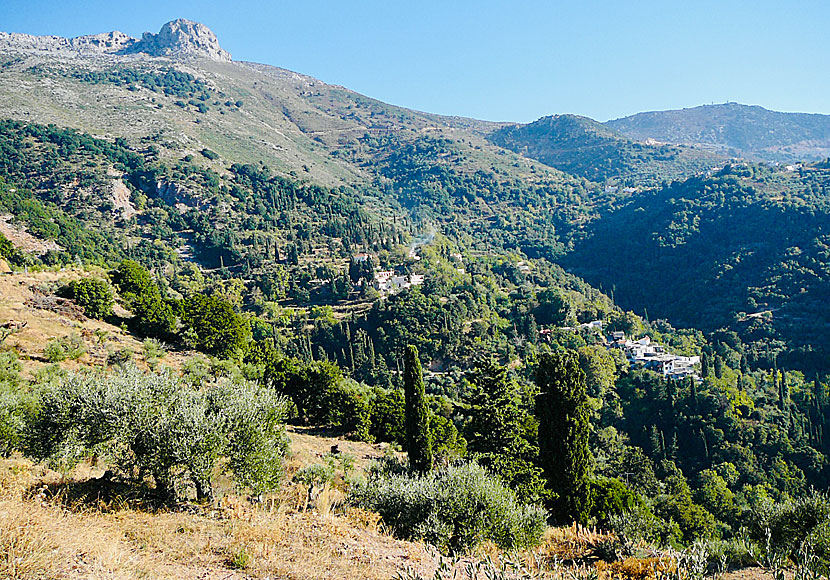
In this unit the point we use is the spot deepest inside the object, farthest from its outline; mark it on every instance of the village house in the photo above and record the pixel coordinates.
(646, 354)
(387, 282)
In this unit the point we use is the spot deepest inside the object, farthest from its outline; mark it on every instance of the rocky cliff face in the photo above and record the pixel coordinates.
(182, 37)
(177, 38)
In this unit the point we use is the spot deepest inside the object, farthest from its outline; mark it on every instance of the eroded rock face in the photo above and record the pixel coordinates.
(182, 37)
(177, 38)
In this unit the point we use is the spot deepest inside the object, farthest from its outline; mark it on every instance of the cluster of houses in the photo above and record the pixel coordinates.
(654, 357)
(387, 282)
(641, 353)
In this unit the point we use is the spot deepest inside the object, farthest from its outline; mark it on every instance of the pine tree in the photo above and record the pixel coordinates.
(497, 431)
(418, 444)
(562, 409)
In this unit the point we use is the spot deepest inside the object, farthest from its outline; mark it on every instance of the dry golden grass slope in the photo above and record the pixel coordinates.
(40, 537)
(29, 299)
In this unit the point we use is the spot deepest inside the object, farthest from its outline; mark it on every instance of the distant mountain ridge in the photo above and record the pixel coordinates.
(740, 130)
(179, 37)
(582, 146)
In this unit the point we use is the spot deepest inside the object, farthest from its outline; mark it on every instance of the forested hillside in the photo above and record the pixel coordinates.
(743, 250)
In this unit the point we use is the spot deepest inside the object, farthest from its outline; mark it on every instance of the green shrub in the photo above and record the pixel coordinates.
(94, 295)
(611, 497)
(790, 523)
(155, 425)
(10, 368)
(454, 508)
(60, 349)
(386, 415)
(11, 403)
(153, 316)
(640, 524)
(447, 442)
(119, 357)
(349, 409)
(153, 351)
(10, 252)
(132, 280)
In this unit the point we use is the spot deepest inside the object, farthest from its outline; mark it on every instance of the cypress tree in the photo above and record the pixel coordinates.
(718, 366)
(418, 444)
(562, 409)
(704, 364)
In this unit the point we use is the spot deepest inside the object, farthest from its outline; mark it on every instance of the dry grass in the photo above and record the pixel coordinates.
(19, 296)
(309, 445)
(42, 538)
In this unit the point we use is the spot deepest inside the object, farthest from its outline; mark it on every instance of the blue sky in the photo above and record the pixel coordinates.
(514, 61)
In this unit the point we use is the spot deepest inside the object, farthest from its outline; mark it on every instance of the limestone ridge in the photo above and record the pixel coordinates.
(181, 37)
(177, 38)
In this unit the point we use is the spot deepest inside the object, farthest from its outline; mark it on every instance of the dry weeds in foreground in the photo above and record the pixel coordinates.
(40, 538)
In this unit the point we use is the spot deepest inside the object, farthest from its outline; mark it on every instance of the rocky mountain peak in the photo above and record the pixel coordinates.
(176, 38)
(182, 37)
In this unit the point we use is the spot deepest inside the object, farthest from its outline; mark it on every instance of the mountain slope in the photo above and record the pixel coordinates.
(744, 250)
(747, 131)
(584, 147)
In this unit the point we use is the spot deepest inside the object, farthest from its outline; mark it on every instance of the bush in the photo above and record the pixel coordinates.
(10, 368)
(454, 508)
(155, 425)
(640, 524)
(133, 280)
(349, 410)
(10, 252)
(153, 316)
(611, 497)
(386, 412)
(153, 351)
(790, 523)
(93, 295)
(60, 349)
(13, 403)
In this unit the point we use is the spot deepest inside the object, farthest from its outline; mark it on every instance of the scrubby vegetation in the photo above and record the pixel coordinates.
(453, 508)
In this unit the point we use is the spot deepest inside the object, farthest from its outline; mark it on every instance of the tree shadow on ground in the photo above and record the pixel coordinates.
(104, 494)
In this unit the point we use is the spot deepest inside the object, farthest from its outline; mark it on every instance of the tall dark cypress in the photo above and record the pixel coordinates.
(562, 410)
(418, 444)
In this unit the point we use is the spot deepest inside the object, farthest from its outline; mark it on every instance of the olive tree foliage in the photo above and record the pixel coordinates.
(14, 403)
(454, 507)
(154, 425)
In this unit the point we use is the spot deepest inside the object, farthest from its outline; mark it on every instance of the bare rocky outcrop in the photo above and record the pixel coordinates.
(182, 38)
(179, 38)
